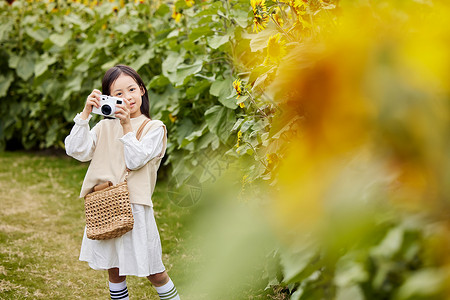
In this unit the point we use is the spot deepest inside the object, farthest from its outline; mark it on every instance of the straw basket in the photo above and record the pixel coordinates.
(108, 209)
(108, 212)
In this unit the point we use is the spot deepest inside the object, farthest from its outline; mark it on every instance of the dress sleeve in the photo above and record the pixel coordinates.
(138, 153)
(80, 143)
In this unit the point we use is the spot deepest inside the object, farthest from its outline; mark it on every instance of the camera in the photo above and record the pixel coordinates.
(107, 106)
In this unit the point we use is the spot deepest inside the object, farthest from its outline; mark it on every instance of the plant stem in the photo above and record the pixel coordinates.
(291, 38)
(254, 103)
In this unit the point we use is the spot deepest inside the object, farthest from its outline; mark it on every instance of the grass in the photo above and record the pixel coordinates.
(41, 226)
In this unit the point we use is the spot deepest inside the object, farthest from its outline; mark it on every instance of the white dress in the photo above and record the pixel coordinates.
(138, 252)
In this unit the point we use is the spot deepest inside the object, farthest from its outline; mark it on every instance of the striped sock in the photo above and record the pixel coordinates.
(167, 291)
(119, 290)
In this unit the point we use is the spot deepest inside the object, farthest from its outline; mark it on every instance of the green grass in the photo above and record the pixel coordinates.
(41, 227)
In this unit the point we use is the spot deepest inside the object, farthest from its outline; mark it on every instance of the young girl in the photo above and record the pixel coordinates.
(112, 147)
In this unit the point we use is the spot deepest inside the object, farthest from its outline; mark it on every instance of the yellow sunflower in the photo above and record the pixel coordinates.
(176, 15)
(237, 85)
(261, 18)
(277, 16)
(239, 135)
(276, 49)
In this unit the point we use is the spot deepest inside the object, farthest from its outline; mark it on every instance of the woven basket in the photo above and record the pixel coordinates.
(108, 212)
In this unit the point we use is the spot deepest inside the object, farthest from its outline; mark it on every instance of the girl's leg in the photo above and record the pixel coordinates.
(164, 286)
(117, 285)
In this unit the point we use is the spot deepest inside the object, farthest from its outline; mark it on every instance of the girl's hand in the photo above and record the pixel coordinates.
(123, 113)
(92, 100)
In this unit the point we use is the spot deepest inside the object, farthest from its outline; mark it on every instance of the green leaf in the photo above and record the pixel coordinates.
(13, 61)
(162, 10)
(39, 35)
(171, 62)
(197, 89)
(220, 120)
(123, 28)
(259, 41)
(260, 80)
(200, 32)
(349, 292)
(223, 89)
(184, 71)
(5, 82)
(143, 59)
(109, 64)
(217, 40)
(296, 264)
(237, 124)
(61, 39)
(391, 244)
(42, 65)
(158, 81)
(5, 29)
(194, 136)
(241, 17)
(423, 284)
(25, 67)
(185, 129)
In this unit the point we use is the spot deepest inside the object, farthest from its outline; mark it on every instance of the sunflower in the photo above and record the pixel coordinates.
(276, 49)
(239, 135)
(237, 84)
(176, 15)
(261, 18)
(172, 118)
(277, 16)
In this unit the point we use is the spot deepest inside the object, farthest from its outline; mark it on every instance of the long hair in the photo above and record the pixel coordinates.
(112, 74)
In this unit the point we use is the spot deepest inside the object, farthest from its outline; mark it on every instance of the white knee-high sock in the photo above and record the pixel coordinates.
(167, 291)
(119, 290)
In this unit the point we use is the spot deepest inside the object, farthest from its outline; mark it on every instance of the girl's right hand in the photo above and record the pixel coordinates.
(92, 100)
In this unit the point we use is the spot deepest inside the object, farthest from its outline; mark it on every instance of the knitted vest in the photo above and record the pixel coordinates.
(108, 161)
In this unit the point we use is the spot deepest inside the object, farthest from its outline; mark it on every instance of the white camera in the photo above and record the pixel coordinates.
(107, 106)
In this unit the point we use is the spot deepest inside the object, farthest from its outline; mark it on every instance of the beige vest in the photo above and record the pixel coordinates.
(108, 161)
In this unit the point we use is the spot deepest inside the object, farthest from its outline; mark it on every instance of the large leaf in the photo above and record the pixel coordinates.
(123, 28)
(25, 67)
(171, 63)
(220, 120)
(223, 89)
(61, 39)
(184, 71)
(259, 41)
(5, 82)
(39, 34)
(143, 59)
(217, 40)
(43, 63)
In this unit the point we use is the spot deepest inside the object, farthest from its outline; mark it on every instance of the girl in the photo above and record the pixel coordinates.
(112, 147)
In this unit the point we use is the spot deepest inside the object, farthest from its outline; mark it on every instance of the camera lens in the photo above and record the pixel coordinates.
(106, 109)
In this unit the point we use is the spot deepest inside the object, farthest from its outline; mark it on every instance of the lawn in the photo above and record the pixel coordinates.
(41, 226)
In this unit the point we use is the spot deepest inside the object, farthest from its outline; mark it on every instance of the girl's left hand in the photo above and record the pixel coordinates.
(123, 113)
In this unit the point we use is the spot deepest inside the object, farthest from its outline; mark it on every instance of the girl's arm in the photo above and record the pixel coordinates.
(138, 153)
(80, 143)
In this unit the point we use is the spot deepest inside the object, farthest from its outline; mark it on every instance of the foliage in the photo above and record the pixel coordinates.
(55, 53)
(329, 114)
(359, 196)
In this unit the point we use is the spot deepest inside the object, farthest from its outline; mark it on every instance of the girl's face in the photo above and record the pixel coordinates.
(126, 87)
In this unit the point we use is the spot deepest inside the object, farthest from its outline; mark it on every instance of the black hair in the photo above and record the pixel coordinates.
(112, 74)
